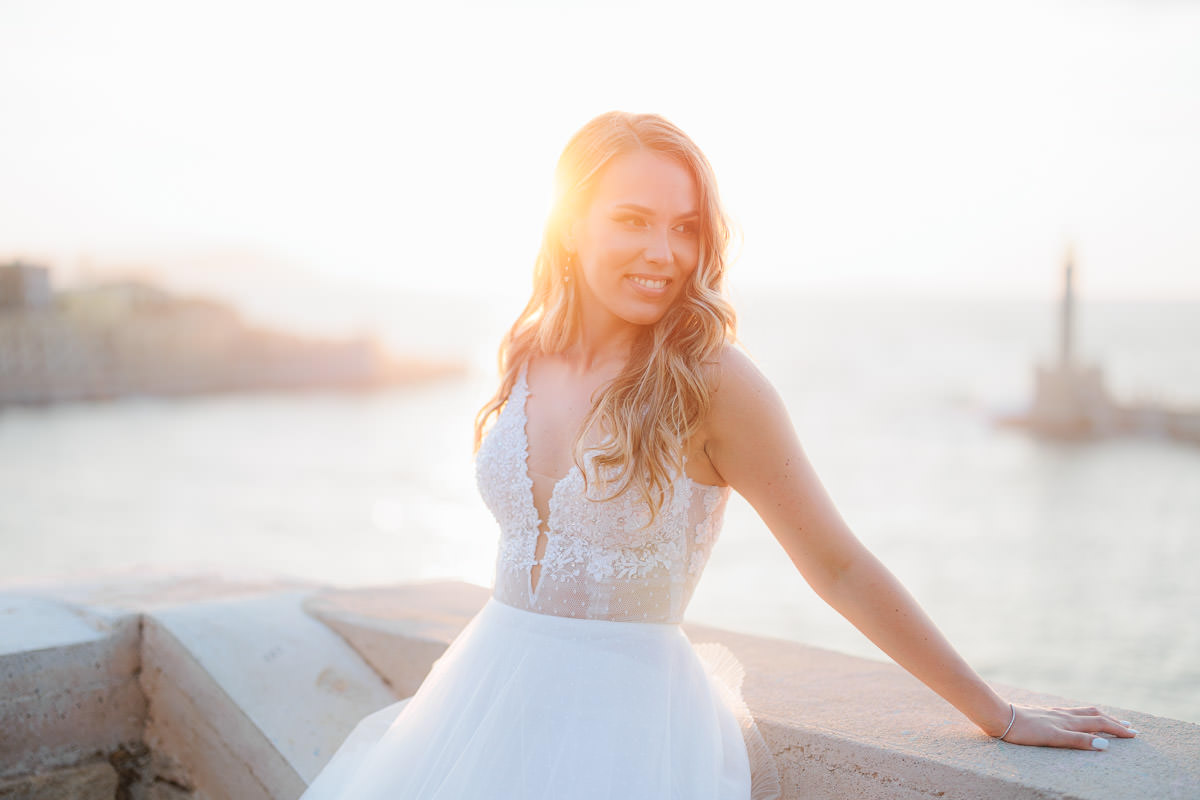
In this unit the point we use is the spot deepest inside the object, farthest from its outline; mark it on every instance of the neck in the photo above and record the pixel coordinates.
(604, 341)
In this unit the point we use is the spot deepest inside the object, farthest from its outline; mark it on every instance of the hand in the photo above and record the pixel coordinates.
(1078, 728)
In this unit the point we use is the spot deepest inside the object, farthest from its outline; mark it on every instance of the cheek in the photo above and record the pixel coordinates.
(613, 256)
(622, 244)
(688, 253)
(689, 262)
(681, 285)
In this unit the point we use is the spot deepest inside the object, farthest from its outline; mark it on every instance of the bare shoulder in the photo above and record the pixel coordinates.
(744, 411)
(738, 387)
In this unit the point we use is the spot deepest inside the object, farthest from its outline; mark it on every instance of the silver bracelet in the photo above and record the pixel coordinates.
(1010, 722)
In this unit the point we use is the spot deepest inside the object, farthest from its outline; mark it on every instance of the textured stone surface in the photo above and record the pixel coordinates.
(72, 691)
(839, 726)
(399, 630)
(94, 781)
(251, 695)
(250, 690)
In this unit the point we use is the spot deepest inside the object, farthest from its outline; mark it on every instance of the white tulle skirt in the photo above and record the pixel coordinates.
(539, 707)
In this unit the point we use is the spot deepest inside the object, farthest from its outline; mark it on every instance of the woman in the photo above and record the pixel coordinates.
(623, 419)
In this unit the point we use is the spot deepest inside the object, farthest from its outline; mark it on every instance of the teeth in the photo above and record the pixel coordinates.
(649, 284)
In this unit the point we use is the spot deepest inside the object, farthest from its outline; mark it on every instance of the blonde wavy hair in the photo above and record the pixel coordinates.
(659, 399)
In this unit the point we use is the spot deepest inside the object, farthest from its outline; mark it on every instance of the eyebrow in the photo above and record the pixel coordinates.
(648, 212)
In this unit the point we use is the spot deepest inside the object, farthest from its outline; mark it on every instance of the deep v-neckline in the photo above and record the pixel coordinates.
(523, 406)
(527, 478)
(536, 515)
(524, 428)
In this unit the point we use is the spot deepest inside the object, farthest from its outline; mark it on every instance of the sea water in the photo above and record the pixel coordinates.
(1061, 567)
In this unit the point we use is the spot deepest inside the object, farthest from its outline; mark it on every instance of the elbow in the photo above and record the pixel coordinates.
(841, 574)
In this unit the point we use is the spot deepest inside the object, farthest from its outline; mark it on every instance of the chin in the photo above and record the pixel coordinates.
(646, 317)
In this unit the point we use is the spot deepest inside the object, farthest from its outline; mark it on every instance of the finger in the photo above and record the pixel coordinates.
(1117, 728)
(1084, 741)
(1101, 723)
(1090, 719)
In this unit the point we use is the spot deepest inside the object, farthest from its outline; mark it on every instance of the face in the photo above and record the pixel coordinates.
(639, 241)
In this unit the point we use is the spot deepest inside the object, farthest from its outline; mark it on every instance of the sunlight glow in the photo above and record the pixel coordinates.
(927, 148)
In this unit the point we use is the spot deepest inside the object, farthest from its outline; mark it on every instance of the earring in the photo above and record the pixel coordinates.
(567, 270)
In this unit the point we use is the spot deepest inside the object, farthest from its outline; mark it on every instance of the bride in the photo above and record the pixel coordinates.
(623, 419)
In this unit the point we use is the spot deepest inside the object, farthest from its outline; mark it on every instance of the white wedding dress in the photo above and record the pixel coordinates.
(584, 687)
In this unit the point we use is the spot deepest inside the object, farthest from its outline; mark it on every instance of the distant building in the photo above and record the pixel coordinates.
(24, 287)
(110, 302)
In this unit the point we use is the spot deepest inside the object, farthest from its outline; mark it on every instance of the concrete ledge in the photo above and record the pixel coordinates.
(180, 686)
(252, 695)
(68, 684)
(838, 726)
(842, 726)
(203, 688)
(95, 781)
(399, 630)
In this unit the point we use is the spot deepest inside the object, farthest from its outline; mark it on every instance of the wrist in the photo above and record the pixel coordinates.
(1011, 721)
(996, 715)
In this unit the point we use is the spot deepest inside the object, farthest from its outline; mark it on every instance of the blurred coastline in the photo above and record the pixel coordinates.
(122, 338)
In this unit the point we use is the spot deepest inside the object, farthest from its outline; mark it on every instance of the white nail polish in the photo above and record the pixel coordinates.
(1100, 744)
(1126, 723)
(1131, 730)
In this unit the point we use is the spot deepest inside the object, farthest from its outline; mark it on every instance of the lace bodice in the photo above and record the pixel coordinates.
(600, 561)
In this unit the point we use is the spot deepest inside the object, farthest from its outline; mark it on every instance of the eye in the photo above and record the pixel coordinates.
(688, 228)
(632, 221)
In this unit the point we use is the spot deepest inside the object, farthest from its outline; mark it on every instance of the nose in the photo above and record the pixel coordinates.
(658, 249)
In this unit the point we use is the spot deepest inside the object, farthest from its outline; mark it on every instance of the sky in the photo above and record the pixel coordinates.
(928, 148)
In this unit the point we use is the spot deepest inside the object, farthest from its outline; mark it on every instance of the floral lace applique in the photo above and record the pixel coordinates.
(601, 559)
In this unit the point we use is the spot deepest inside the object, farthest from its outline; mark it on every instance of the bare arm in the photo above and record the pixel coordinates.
(750, 441)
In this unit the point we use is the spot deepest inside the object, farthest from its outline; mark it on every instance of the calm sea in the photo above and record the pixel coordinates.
(1067, 568)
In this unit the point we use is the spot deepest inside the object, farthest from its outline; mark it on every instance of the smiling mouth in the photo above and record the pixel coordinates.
(650, 283)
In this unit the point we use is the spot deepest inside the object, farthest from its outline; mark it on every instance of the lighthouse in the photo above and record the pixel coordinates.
(1070, 400)
(1066, 320)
